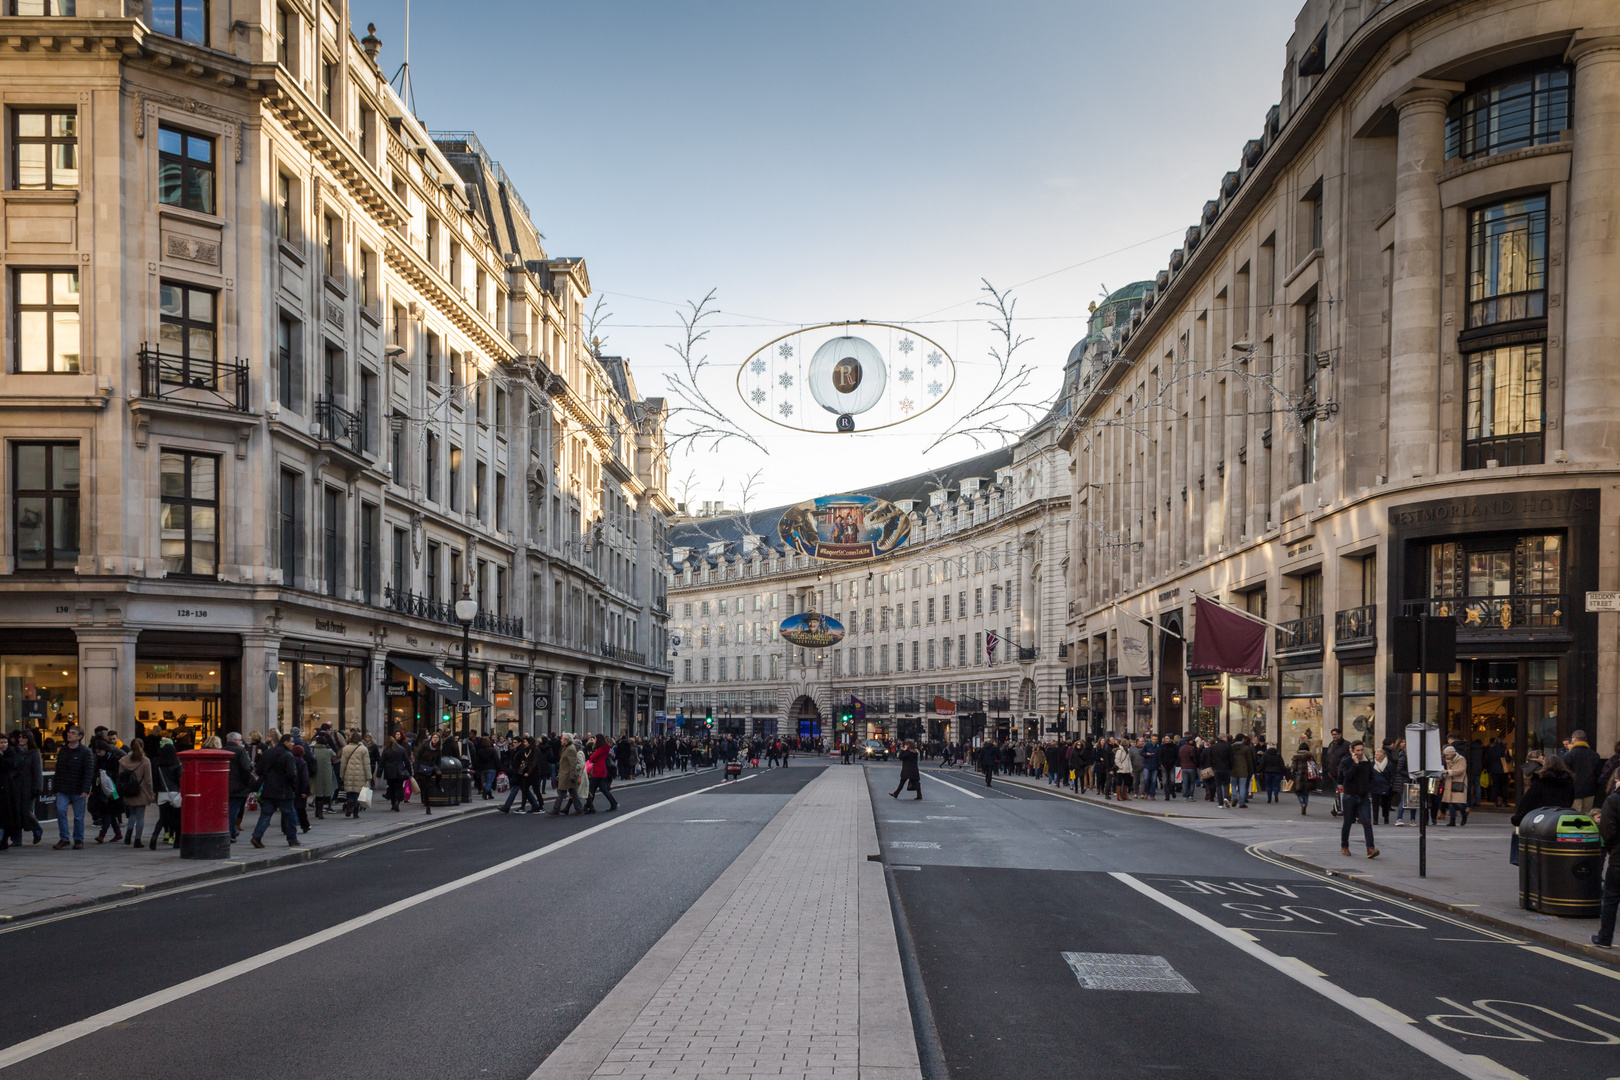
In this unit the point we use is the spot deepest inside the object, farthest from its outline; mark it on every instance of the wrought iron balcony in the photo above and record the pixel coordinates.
(1356, 625)
(505, 625)
(969, 704)
(424, 607)
(1487, 615)
(624, 656)
(1097, 669)
(1063, 650)
(1026, 655)
(906, 706)
(999, 704)
(211, 384)
(1299, 635)
(338, 425)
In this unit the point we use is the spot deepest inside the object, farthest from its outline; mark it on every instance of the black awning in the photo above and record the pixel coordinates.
(436, 680)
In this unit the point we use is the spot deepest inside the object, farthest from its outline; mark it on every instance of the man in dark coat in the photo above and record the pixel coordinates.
(75, 774)
(243, 780)
(1584, 762)
(1220, 759)
(989, 758)
(909, 777)
(1333, 755)
(1609, 831)
(279, 772)
(1357, 778)
(11, 783)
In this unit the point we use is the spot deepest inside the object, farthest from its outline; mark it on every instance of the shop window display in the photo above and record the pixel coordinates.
(178, 699)
(1357, 703)
(1301, 707)
(40, 692)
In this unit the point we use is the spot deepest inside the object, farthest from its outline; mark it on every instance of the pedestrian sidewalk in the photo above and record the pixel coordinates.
(787, 965)
(38, 880)
(1468, 870)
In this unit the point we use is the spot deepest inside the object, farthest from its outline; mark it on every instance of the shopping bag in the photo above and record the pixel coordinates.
(252, 804)
(364, 798)
(502, 784)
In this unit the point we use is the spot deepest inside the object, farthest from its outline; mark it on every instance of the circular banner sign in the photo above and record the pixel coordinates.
(844, 528)
(812, 630)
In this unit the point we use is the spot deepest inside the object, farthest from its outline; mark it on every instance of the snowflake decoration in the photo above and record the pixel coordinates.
(757, 367)
(906, 345)
(906, 375)
(786, 350)
(786, 408)
(759, 397)
(934, 358)
(935, 388)
(786, 379)
(906, 404)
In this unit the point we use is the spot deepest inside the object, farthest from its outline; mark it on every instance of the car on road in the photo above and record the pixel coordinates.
(873, 750)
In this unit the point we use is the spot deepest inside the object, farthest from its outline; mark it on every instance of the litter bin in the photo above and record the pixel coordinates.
(443, 788)
(1560, 863)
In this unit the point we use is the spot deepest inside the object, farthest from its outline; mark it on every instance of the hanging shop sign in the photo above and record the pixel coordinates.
(812, 630)
(844, 528)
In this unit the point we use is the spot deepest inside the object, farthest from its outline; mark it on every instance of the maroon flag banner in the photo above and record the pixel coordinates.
(1227, 641)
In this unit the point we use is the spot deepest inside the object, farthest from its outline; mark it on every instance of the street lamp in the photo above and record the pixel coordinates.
(466, 611)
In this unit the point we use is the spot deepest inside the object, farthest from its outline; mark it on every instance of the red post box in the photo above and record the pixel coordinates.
(205, 804)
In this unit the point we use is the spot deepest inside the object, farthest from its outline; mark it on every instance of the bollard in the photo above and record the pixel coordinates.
(205, 788)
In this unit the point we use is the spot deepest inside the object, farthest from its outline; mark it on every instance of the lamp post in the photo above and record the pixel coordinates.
(466, 611)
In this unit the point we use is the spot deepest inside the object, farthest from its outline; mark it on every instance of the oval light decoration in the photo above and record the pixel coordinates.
(844, 528)
(812, 630)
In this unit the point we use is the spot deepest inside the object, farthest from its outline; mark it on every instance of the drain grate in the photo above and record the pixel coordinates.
(1127, 971)
(918, 844)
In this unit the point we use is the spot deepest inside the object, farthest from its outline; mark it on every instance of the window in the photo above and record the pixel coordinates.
(45, 505)
(290, 512)
(500, 502)
(368, 279)
(1507, 262)
(368, 411)
(44, 149)
(455, 574)
(329, 241)
(189, 523)
(480, 486)
(430, 469)
(1308, 365)
(961, 650)
(499, 420)
(367, 131)
(455, 369)
(287, 38)
(42, 7)
(432, 348)
(186, 332)
(686, 671)
(433, 240)
(705, 669)
(1519, 107)
(455, 478)
(332, 540)
(1504, 412)
(455, 264)
(397, 557)
(284, 207)
(47, 320)
(328, 78)
(185, 170)
(182, 18)
(930, 610)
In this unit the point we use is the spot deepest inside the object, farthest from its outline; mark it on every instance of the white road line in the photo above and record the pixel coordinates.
(953, 787)
(30, 1048)
(1470, 1065)
(1587, 964)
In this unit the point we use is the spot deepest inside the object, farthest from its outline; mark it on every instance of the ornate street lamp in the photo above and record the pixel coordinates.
(466, 611)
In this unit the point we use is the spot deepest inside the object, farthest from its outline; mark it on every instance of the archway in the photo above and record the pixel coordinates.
(806, 717)
(1172, 673)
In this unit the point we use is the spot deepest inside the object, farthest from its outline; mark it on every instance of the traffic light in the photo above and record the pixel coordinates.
(708, 717)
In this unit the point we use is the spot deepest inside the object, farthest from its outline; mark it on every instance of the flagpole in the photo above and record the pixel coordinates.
(1147, 618)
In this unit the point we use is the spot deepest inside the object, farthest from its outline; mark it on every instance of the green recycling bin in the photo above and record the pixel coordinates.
(1560, 863)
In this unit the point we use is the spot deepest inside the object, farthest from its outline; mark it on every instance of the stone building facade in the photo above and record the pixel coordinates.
(986, 554)
(286, 376)
(1377, 379)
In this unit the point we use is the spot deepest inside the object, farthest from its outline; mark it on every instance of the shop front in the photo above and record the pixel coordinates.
(187, 686)
(1300, 693)
(421, 697)
(39, 681)
(507, 718)
(320, 684)
(1248, 706)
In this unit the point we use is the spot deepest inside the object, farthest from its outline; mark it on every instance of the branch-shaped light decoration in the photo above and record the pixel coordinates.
(703, 423)
(1001, 407)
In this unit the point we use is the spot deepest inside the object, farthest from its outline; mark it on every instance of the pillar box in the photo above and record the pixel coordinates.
(205, 789)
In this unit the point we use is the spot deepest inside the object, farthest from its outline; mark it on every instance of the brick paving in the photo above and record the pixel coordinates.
(774, 974)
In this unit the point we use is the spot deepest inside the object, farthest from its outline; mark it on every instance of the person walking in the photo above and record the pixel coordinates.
(1220, 760)
(112, 807)
(1357, 780)
(1455, 796)
(570, 777)
(601, 761)
(1333, 755)
(1305, 776)
(486, 762)
(75, 773)
(31, 781)
(1552, 785)
(166, 782)
(426, 772)
(278, 773)
(323, 783)
(11, 770)
(242, 781)
(1187, 762)
(1609, 832)
(1272, 768)
(1586, 766)
(909, 775)
(989, 756)
(134, 784)
(1243, 767)
(1383, 771)
(396, 769)
(354, 774)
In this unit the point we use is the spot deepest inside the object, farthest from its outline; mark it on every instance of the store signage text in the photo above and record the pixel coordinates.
(1497, 506)
(1169, 594)
(1304, 547)
(328, 626)
(191, 613)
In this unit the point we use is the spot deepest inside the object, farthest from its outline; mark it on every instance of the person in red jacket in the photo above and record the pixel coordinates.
(597, 771)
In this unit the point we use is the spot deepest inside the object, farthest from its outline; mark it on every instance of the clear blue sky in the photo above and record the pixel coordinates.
(815, 162)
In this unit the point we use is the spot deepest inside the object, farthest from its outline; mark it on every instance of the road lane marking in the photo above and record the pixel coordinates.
(914, 845)
(953, 787)
(29, 1048)
(1576, 961)
(1471, 1066)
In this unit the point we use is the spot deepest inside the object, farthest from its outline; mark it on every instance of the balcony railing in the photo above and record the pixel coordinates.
(1507, 451)
(424, 607)
(1299, 635)
(1096, 669)
(213, 384)
(969, 704)
(1063, 650)
(1494, 614)
(337, 424)
(1026, 655)
(623, 655)
(906, 706)
(1355, 625)
(999, 704)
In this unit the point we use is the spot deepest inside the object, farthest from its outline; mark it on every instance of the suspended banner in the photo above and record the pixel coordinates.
(844, 528)
(944, 706)
(1135, 649)
(812, 630)
(1227, 640)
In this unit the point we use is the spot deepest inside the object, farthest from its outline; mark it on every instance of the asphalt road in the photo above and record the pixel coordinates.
(1280, 973)
(481, 981)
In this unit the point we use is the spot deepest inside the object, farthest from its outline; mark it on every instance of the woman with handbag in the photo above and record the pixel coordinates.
(427, 767)
(323, 779)
(166, 782)
(395, 764)
(135, 788)
(354, 774)
(1306, 772)
(1455, 796)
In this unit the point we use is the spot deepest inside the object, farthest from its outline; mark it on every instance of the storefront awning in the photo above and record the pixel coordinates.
(436, 680)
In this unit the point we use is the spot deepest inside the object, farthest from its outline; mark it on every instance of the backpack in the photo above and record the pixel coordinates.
(127, 783)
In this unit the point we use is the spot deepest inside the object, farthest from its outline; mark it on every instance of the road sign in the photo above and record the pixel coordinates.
(464, 706)
(1603, 601)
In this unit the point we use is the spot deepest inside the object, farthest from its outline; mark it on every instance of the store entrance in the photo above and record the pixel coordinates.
(1501, 708)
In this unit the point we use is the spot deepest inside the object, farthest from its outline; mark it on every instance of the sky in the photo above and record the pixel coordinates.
(818, 162)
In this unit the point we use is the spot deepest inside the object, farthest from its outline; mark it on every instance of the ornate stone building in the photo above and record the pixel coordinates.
(1377, 379)
(286, 376)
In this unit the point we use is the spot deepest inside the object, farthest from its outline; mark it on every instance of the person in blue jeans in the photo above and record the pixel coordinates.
(278, 773)
(1356, 776)
(75, 773)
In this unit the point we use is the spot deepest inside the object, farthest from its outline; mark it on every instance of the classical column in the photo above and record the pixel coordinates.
(1414, 361)
(1591, 315)
(261, 659)
(107, 680)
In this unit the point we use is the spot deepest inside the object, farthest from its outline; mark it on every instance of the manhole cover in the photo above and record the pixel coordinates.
(1127, 971)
